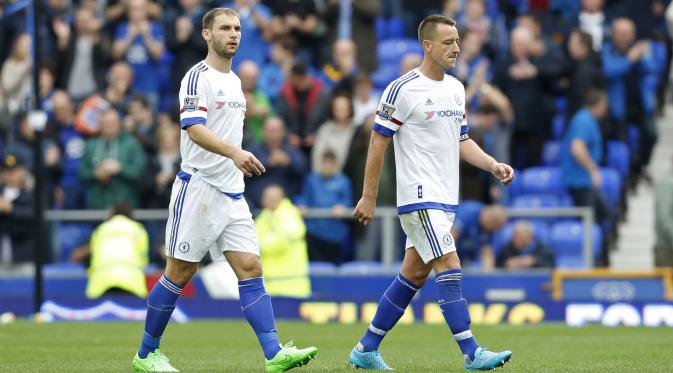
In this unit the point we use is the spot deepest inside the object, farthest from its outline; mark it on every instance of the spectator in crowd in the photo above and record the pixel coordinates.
(581, 155)
(140, 42)
(471, 58)
(47, 88)
(23, 147)
(119, 253)
(299, 19)
(258, 106)
(275, 72)
(663, 224)
(327, 237)
(355, 20)
(116, 11)
(162, 167)
(583, 71)
(365, 101)
(524, 251)
(367, 239)
(594, 21)
(17, 228)
(452, 8)
(15, 76)
(336, 134)
(522, 79)
(115, 96)
(499, 117)
(409, 62)
(476, 184)
(285, 164)
(184, 40)
(82, 54)
(112, 165)
(491, 31)
(303, 105)
(256, 21)
(141, 123)
(70, 194)
(472, 230)
(338, 74)
(630, 72)
(282, 245)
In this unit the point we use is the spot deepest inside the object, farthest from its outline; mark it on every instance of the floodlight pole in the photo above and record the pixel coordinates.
(36, 11)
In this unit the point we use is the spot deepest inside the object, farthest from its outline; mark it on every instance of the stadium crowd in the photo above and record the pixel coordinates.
(312, 72)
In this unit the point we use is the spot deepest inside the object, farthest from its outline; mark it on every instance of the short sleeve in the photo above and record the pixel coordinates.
(393, 109)
(193, 100)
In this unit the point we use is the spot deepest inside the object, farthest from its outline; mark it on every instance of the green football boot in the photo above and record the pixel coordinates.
(154, 362)
(290, 357)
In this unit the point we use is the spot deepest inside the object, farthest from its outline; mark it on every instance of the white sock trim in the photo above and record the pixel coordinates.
(463, 335)
(376, 330)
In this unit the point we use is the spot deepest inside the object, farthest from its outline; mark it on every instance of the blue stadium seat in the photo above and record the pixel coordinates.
(322, 268)
(566, 242)
(540, 200)
(64, 269)
(384, 75)
(618, 157)
(612, 185)
(542, 180)
(390, 51)
(515, 188)
(362, 268)
(395, 28)
(72, 235)
(551, 153)
(503, 236)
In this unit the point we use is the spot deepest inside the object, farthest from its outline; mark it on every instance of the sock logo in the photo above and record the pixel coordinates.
(183, 247)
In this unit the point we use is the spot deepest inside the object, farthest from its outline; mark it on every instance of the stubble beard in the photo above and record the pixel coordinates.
(221, 50)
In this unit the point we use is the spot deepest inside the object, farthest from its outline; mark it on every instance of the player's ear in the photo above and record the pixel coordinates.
(205, 33)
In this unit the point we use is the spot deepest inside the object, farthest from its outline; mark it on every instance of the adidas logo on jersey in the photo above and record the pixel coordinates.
(429, 102)
(220, 93)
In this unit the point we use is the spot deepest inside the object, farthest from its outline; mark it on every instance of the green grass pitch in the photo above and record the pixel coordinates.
(230, 346)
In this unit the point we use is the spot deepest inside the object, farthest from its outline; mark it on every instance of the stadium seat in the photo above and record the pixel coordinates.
(322, 268)
(618, 157)
(395, 28)
(64, 269)
(515, 188)
(633, 138)
(566, 242)
(503, 236)
(362, 268)
(384, 75)
(72, 235)
(542, 180)
(612, 185)
(541, 200)
(551, 153)
(390, 51)
(558, 126)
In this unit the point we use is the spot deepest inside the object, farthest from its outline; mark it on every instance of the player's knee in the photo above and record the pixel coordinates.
(250, 268)
(446, 263)
(180, 272)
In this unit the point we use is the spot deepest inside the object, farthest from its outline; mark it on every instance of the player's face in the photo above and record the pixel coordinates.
(225, 35)
(444, 47)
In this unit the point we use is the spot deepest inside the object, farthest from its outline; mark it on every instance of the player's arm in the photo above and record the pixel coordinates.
(364, 210)
(472, 153)
(244, 160)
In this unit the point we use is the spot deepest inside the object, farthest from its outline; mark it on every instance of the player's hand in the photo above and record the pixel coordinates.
(364, 210)
(503, 172)
(248, 163)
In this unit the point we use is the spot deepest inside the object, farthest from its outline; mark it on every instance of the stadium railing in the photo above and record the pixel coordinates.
(388, 216)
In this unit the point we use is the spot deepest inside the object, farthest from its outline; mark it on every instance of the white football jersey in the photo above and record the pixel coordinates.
(426, 119)
(213, 99)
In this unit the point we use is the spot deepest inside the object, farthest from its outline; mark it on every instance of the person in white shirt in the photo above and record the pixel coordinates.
(424, 112)
(207, 210)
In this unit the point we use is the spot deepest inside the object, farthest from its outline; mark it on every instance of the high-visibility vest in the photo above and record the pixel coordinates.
(119, 252)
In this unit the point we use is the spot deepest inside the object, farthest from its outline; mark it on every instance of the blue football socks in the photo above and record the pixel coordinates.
(390, 309)
(256, 306)
(160, 306)
(454, 308)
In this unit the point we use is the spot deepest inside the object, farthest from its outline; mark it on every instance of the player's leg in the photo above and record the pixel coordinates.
(395, 299)
(187, 241)
(240, 247)
(448, 280)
